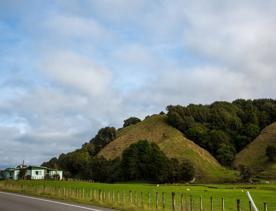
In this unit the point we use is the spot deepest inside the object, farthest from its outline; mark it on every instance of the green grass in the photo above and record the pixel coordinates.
(172, 142)
(230, 193)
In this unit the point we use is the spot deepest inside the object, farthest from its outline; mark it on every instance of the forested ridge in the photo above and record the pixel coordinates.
(222, 128)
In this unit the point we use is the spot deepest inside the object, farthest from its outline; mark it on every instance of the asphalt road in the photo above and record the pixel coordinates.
(17, 202)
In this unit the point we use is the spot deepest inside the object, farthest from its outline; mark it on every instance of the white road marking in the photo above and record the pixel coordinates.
(46, 200)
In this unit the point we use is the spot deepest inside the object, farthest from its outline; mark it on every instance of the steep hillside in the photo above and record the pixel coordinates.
(173, 144)
(254, 154)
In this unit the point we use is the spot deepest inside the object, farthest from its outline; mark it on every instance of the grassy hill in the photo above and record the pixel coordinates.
(173, 144)
(254, 154)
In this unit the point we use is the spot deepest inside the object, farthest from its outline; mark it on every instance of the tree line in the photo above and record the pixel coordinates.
(141, 161)
(223, 128)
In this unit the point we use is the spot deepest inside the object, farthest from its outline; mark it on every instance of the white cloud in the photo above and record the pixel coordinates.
(95, 63)
(71, 27)
(78, 72)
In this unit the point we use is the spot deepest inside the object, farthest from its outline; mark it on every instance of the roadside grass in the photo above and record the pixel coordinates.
(128, 196)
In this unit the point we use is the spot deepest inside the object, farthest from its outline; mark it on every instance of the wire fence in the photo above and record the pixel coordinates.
(131, 200)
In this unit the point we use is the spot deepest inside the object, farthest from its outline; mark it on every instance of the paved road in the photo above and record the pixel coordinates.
(17, 202)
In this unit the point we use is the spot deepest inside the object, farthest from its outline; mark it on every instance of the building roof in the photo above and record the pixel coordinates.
(32, 168)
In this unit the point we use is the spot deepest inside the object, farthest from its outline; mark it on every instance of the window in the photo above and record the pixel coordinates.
(37, 172)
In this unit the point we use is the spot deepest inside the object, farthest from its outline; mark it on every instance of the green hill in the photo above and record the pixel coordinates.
(173, 144)
(254, 154)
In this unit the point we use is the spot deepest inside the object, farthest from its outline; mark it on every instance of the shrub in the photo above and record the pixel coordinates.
(131, 121)
(245, 173)
(271, 153)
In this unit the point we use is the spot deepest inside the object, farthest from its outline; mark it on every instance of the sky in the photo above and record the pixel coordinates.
(71, 67)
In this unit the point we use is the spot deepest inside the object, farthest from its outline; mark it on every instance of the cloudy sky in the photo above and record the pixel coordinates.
(70, 67)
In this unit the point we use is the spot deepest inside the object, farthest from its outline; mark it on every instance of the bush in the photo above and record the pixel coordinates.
(131, 121)
(144, 161)
(245, 173)
(271, 153)
(186, 171)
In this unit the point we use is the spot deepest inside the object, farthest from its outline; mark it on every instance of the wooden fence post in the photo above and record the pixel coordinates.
(191, 203)
(250, 206)
(129, 196)
(181, 202)
(137, 199)
(148, 199)
(222, 204)
(238, 205)
(112, 197)
(118, 197)
(163, 201)
(91, 194)
(142, 202)
(156, 200)
(173, 201)
(201, 204)
(211, 203)
(265, 206)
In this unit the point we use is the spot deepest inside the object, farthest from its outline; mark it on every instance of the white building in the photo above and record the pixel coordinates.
(32, 172)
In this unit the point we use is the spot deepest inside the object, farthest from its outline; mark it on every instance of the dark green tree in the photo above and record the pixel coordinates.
(144, 161)
(245, 173)
(103, 137)
(217, 139)
(199, 134)
(131, 121)
(271, 153)
(226, 154)
(52, 163)
(173, 170)
(186, 171)
(252, 130)
(103, 170)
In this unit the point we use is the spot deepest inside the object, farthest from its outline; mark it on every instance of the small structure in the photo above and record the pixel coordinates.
(32, 172)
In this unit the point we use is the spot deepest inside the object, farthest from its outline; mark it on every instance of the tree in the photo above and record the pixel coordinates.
(131, 121)
(217, 138)
(271, 153)
(186, 171)
(245, 173)
(252, 130)
(198, 133)
(103, 137)
(173, 170)
(144, 161)
(52, 163)
(75, 164)
(226, 154)
(22, 173)
(99, 169)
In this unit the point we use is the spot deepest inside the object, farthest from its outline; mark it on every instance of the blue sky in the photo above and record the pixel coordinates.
(70, 67)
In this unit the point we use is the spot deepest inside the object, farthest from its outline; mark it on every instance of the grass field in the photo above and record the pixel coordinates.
(120, 197)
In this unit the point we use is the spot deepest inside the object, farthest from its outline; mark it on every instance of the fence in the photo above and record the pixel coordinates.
(130, 200)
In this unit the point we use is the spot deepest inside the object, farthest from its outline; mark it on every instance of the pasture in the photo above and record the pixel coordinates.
(145, 197)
